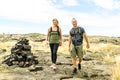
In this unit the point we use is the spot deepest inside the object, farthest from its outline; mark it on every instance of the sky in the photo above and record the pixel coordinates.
(97, 17)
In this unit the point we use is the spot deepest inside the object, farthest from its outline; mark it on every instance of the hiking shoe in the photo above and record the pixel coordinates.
(79, 66)
(54, 66)
(74, 71)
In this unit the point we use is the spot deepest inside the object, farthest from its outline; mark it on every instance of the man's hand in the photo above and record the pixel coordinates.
(69, 43)
(87, 46)
(86, 39)
(69, 49)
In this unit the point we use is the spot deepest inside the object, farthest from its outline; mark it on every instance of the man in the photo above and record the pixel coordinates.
(77, 34)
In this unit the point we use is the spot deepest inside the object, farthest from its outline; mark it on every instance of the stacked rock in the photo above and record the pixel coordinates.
(21, 54)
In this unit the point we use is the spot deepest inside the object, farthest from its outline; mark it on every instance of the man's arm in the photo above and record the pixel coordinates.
(86, 39)
(69, 43)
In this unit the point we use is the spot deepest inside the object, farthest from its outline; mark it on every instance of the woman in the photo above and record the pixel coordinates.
(54, 38)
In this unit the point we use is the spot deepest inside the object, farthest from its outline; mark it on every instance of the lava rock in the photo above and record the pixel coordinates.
(21, 54)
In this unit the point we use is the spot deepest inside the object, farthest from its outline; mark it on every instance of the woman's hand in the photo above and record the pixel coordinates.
(60, 43)
(47, 42)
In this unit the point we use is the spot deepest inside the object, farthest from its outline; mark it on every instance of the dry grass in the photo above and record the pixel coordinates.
(109, 59)
(42, 46)
(116, 70)
(108, 48)
(6, 45)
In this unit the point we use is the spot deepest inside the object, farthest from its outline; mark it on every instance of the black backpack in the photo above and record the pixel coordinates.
(79, 30)
(77, 37)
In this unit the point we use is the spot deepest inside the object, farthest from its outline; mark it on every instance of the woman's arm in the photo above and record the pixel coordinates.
(60, 37)
(48, 34)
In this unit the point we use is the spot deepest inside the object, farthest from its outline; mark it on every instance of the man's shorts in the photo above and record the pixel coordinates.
(77, 51)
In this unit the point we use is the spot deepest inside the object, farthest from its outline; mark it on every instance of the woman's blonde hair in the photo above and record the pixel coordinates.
(55, 19)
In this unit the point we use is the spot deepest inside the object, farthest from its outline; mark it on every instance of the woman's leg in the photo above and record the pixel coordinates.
(55, 53)
(52, 48)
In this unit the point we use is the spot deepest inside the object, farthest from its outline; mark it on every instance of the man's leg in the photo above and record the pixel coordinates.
(80, 60)
(79, 63)
(74, 62)
(74, 65)
(73, 54)
(80, 55)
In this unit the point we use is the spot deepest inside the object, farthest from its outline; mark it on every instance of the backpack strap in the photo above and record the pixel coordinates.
(72, 31)
(79, 30)
(50, 29)
(57, 30)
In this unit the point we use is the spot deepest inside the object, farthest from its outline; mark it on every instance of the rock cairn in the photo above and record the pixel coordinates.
(21, 54)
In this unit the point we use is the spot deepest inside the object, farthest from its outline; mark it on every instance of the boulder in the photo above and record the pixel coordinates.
(40, 40)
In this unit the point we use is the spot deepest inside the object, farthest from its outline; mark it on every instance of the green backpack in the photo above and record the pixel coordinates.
(54, 36)
(57, 30)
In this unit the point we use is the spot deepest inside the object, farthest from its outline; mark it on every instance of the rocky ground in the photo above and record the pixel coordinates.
(92, 69)
(93, 66)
